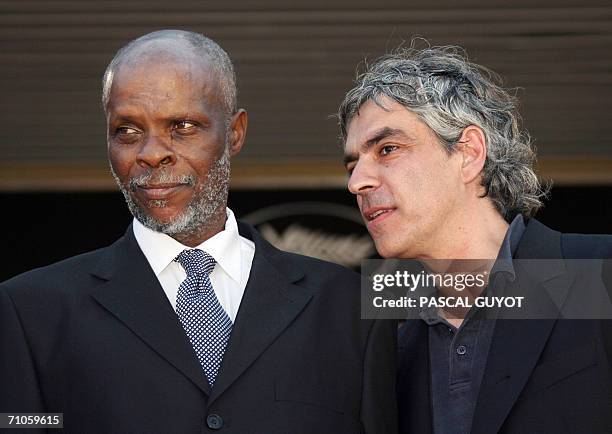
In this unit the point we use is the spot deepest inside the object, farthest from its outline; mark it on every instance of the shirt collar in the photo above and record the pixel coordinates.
(161, 249)
(515, 231)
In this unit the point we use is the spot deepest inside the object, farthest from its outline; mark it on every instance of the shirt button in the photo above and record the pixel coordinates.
(214, 421)
(461, 350)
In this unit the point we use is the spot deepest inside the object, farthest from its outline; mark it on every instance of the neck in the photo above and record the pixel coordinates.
(475, 239)
(473, 233)
(470, 243)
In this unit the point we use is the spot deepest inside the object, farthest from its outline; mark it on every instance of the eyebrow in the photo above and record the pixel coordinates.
(378, 135)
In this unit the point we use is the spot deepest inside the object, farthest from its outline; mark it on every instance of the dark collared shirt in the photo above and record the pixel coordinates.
(458, 356)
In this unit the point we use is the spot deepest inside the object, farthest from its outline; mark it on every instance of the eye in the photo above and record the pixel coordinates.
(127, 134)
(387, 149)
(184, 126)
(125, 130)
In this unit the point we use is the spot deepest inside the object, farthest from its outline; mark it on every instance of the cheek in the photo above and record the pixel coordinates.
(441, 189)
(121, 162)
(201, 169)
(413, 185)
(422, 192)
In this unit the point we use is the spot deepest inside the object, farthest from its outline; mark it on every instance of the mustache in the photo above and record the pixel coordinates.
(159, 177)
(373, 200)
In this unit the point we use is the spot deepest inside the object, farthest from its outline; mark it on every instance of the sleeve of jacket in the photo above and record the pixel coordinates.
(379, 404)
(19, 390)
(606, 324)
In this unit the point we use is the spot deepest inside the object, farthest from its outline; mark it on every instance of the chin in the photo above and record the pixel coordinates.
(164, 216)
(394, 248)
(156, 217)
(385, 250)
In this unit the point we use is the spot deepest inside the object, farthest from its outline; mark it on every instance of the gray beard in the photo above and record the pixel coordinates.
(209, 199)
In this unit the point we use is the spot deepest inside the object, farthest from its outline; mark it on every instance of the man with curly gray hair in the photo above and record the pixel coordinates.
(441, 169)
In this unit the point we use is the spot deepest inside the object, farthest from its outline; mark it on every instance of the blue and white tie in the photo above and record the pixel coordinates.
(206, 323)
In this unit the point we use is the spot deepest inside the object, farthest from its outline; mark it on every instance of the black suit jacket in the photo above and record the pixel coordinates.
(95, 337)
(541, 376)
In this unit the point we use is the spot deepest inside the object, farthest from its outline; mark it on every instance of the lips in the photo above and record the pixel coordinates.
(159, 191)
(377, 214)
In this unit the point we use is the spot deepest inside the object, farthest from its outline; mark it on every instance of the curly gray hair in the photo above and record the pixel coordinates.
(449, 93)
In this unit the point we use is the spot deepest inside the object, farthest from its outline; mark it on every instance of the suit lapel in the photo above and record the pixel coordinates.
(132, 293)
(270, 303)
(518, 343)
(514, 351)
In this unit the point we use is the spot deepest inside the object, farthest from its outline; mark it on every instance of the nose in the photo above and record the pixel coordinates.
(156, 151)
(364, 178)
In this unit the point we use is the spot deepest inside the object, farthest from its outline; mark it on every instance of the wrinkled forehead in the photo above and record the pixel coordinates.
(169, 65)
(167, 53)
(369, 118)
(383, 120)
(163, 49)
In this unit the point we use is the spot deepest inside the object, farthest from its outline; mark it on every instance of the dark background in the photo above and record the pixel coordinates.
(41, 228)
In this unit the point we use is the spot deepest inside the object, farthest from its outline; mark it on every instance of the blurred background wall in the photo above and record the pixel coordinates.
(294, 61)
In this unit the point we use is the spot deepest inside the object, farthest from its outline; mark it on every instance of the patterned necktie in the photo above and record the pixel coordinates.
(206, 323)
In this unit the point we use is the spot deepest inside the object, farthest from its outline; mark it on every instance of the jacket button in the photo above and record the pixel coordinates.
(214, 421)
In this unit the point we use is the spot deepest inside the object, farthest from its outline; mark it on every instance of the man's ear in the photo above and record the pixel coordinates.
(238, 129)
(473, 147)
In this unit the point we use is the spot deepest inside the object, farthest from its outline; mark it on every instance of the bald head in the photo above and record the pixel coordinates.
(183, 49)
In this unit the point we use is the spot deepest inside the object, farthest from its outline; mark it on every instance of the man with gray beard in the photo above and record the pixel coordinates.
(191, 322)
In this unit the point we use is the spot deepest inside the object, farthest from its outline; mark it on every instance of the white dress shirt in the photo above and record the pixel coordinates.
(233, 253)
